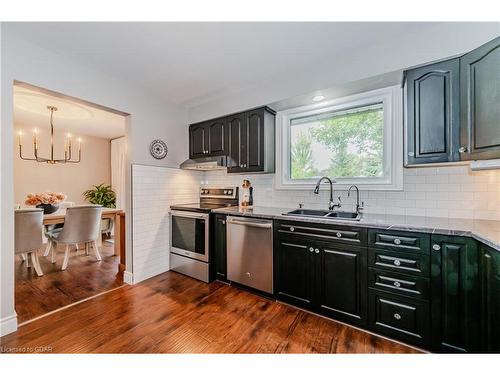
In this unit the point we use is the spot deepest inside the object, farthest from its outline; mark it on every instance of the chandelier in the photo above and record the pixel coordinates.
(51, 160)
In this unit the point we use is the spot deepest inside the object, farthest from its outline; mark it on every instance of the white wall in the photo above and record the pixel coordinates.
(155, 189)
(149, 119)
(441, 41)
(70, 179)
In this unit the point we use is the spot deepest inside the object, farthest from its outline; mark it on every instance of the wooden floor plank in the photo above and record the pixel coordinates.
(85, 277)
(172, 313)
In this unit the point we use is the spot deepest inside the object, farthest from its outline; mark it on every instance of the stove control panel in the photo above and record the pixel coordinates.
(219, 192)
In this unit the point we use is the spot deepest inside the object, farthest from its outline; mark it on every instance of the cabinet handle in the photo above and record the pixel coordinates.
(339, 234)
(223, 222)
(397, 241)
(316, 251)
(397, 262)
(292, 229)
(397, 316)
(397, 284)
(436, 247)
(462, 149)
(311, 249)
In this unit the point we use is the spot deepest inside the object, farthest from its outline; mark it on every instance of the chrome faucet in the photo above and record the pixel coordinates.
(331, 204)
(358, 206)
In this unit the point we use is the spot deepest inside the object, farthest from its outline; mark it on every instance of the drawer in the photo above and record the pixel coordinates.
(322, 232)
(399, 240)
(399, 317)
(392, 282)
(412, 264)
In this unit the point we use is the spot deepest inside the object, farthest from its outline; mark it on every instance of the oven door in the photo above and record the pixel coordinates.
(189, 234)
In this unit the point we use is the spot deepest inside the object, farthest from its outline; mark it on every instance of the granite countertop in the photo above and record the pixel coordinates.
(485, 231)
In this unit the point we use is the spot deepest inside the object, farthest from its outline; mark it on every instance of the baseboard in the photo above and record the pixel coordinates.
(8, 325)
(128, 277)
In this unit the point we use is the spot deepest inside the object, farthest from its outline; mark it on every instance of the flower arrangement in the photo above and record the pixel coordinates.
(48, 197)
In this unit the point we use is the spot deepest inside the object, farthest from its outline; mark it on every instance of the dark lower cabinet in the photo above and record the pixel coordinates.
(324, 276)
(438, 292)
(220, 247)
(294, 271)
(342, 282)
(455, 294)
(490, 299)
(403, 318)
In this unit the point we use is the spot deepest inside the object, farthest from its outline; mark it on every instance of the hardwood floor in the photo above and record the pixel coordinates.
(172, 313)
(85, 277)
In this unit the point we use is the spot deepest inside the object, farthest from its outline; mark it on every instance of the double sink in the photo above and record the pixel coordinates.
(325, 214)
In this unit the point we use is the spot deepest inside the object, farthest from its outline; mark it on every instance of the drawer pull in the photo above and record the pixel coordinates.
(397, 316)
(316, 251)
(311, 249)
(397, 262)
(292, 229)
(339, 234)
(436, 247)
(397, 241)
(397, 284)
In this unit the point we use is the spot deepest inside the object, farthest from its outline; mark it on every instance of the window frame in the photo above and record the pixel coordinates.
(391, 100)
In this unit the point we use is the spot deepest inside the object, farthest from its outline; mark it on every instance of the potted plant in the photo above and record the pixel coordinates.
(105, 196)
(48, 201)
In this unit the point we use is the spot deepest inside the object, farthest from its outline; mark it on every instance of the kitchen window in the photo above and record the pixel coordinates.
(355, 140)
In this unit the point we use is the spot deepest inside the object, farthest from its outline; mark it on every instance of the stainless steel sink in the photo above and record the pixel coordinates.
(325, 214)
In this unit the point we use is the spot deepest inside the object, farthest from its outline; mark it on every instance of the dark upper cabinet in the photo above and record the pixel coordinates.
(220, 247)
(455, 294)
(208, 139)
(198, 141)
(246, 138)
(217, 137)
(237, 135)
(342, 288)
(480, 98)
(433, 113)
(490, 299)
(251, 141)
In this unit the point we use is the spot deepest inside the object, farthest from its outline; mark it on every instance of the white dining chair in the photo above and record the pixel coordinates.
(81, 225)
(28, 224)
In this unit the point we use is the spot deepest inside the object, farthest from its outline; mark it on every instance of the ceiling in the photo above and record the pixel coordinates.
(75, 117)
(187, 63)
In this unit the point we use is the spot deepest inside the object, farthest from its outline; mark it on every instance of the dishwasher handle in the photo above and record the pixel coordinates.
(251, 223)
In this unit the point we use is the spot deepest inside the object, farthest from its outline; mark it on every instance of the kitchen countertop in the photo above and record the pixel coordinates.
(485, 231)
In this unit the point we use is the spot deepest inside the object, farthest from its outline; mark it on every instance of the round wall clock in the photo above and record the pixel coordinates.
(158, 149)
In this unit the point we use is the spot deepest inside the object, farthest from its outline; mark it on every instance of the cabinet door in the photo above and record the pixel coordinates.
(198, 141)
(490, 300)
(236, 127)
(294, 274)
(342, 282)
(454, 294)
(254, 145)
(217, 137)
(480, 98)
(433, 120)
(220, 247)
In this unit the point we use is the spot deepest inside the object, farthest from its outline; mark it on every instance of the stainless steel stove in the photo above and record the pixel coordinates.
(190, 231)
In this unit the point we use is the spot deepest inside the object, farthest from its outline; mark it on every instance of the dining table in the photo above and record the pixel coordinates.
(116, 214)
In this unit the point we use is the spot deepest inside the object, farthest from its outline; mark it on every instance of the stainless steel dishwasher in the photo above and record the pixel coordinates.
(250, 252)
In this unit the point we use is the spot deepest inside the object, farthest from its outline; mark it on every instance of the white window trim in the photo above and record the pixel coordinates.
(390, 97)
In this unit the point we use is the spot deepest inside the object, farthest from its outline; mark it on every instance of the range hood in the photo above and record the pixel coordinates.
(211, 163)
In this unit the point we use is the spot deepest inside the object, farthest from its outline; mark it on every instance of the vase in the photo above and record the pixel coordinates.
(48, 208)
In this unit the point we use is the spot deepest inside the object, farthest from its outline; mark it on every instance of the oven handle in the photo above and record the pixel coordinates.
(187, 214)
